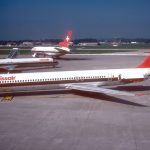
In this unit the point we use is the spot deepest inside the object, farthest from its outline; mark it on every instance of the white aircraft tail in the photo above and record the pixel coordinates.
(66, 41)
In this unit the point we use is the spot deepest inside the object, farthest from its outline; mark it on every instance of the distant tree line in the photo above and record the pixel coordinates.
(86, 40)
(140, 40)
(75, 41)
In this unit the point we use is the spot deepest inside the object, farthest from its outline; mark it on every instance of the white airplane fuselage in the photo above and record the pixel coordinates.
(25, 60)
(64, 77)
(87, 80)
(7, 65)
(50, 51)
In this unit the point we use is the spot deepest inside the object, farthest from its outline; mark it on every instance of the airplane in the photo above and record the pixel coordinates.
(53, 51)
(9, 65)
(87, 80)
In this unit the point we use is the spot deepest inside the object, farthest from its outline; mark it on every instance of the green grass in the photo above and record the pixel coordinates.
(121, 46)
(98, 51)
(87, 49)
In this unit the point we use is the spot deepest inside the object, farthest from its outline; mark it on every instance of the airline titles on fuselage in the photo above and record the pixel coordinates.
(7, 78)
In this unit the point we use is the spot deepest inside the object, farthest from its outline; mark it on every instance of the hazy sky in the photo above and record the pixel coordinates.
(41, 19)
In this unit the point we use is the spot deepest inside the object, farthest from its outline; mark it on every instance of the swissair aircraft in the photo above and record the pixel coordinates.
(87, 80)
(7, 65)
(53, 51)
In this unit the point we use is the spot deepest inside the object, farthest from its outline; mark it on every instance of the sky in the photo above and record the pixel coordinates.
(45, 19)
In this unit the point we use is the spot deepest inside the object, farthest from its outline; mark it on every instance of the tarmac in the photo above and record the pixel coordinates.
(79, 121)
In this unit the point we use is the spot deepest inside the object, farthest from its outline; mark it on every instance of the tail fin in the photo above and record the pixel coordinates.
(13, 53)
(66, 41)
(145, 64)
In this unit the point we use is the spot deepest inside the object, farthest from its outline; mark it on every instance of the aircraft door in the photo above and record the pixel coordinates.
(119, 77)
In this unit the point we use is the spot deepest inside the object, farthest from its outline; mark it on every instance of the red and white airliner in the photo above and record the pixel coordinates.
(87, 80)
(53, 51)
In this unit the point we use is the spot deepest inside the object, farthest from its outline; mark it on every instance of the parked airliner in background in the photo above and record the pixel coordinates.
(8, 65)
(53, 51)
(87, 80)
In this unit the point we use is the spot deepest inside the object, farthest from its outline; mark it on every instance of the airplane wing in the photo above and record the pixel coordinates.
(91, 88)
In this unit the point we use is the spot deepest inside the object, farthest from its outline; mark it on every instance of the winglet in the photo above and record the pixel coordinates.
(145, 64)
(66, 41)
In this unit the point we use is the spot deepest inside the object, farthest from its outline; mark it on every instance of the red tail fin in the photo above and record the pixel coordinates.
(66, 41)
(145, 64)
